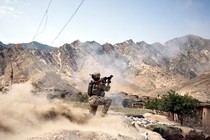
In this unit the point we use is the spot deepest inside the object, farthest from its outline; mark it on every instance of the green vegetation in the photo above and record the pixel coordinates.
(208, 102)
(79, 97)
(158, 128)
(175, 104)
(133, 111)
(118, 109)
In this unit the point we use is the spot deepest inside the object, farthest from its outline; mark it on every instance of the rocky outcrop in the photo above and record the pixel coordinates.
(189, 55)
(2, 48)
(37, 45)
(198, 87)
(144, 68)
(194, 135)
(167, 130)
(38, 66)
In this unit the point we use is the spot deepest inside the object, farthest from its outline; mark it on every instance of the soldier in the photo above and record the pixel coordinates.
(96, 91)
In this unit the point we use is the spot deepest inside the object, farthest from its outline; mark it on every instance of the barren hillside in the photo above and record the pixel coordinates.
(138, 68)
(198, 87)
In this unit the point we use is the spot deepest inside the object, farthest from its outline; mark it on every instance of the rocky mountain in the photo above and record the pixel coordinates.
(33, 45)
(1, 44)
(189, 55)
(138, 68)
(37, 45)
(198, 87)
(28, 65)
(1, 48)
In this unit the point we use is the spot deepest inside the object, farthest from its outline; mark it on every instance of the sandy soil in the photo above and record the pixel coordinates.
(26, 116)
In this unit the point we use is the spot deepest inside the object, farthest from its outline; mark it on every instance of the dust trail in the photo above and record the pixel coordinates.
(21, 111)
(5, 129)
(24, 116)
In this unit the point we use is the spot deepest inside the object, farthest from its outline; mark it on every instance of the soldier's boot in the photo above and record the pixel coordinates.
(93, 109)
(104, 112)
(106, 107)
(103, 115)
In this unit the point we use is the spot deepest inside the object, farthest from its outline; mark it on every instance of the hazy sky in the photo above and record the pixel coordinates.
(103, 21)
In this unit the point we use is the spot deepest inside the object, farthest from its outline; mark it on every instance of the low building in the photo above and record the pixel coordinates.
(205, 108)
(201, 118)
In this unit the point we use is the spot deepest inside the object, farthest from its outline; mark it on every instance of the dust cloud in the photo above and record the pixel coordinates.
(25, 115)
(106, 65)
(22, 111)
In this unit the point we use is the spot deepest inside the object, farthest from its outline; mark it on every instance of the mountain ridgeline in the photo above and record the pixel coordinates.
(144, 68)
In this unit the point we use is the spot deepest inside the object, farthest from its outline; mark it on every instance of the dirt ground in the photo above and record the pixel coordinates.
(26, 116)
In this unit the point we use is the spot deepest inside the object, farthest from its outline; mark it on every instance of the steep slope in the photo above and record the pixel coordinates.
(37, 45)
(198, 87)
(138, 68)
(33, 44)
(2, 48)
(2, 44)
(33, 65)
(2, 63)
(152, 81)
(189, 55)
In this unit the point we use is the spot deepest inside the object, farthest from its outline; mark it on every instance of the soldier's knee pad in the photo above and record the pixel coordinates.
(109, 101)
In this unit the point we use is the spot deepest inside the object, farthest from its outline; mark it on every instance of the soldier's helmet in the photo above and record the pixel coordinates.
(96, 76)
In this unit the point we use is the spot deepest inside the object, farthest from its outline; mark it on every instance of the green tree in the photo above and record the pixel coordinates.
(154, 104)
(176, 104)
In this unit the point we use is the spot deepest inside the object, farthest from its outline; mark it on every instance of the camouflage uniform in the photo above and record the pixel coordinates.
(96, 91)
